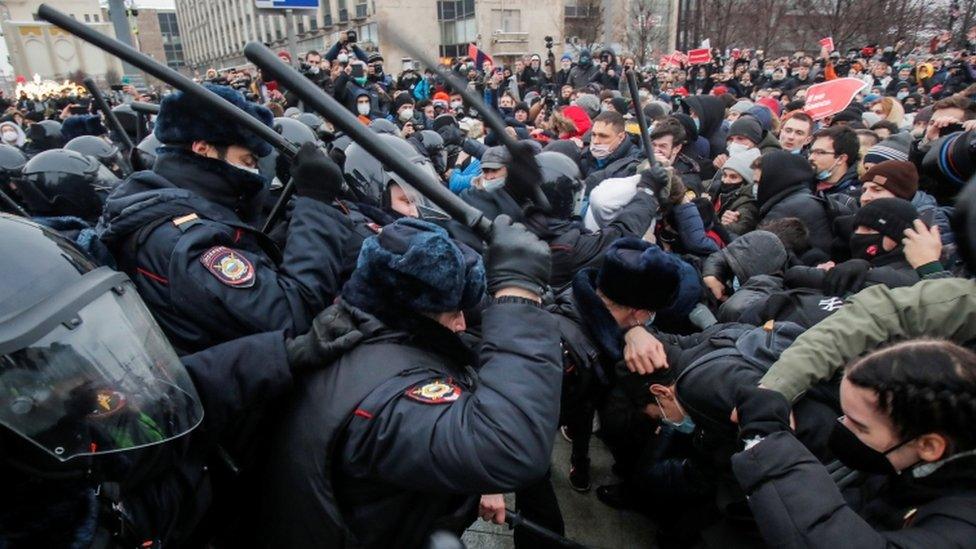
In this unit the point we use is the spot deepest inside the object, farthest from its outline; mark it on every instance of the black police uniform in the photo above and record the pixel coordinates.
(182, 232)
(397, 438)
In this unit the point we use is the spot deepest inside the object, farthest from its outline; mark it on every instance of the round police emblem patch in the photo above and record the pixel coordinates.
(229, 266)
(435, 391)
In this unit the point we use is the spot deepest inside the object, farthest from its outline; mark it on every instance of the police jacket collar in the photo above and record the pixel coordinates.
(212, 179)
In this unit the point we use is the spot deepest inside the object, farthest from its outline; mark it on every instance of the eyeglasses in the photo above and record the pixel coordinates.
(821, 152)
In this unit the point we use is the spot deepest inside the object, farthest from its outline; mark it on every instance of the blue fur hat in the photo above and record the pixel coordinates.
(415, 266)
(639, 274)
(82, 124)
(184, 119)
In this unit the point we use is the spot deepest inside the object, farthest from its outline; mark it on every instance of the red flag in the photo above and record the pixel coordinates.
(827, 43)
(479, 57)
(831, 97)
(699, 56)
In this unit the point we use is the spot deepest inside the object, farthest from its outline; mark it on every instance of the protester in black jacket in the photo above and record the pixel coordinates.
(783, 190)
(909, 412)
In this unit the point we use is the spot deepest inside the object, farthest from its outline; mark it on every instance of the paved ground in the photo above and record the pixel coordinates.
(587, 520)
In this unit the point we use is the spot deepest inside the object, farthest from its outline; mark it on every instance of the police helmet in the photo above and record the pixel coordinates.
(561, 183)
(88, 381)
(129, 119)
(60, 182)
(311, 120)
(382, 125)
(12, 161)
(294, 131)
(101, 149)
(45, 135)
(432, 145)
(146, 151)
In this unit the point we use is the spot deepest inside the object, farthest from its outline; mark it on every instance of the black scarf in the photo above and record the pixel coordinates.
(597, 320)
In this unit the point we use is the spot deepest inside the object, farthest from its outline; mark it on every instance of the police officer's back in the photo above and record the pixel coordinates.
(185, 230)
(397, 437)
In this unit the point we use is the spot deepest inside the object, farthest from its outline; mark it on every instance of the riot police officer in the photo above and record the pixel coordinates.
(399, 436)
(185, 230)
(105, 435)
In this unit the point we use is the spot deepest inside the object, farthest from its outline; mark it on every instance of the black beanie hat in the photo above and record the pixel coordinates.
(401, 100)
(638, 274)
(888, 216)
(748, 127)
(621, 104)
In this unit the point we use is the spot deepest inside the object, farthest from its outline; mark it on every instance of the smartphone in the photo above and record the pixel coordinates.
(358, 70)
(951, 128)
(78, 109)
(406, 64)
(116, 87)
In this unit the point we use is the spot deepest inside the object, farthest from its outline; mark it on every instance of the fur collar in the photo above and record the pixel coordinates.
(597, 320)
(214, 180)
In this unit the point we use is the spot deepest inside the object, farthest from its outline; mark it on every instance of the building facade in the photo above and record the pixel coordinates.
(37, 47)
(215, 31)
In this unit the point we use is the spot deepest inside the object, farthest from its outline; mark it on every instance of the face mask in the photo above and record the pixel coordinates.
(456, 105)
(697, 123)
(604, 108)
(797, 151)
(866, 246)
(343, 58)
(852, 452)
(599, 151)
(362, 108)
(585, 61)
(506, 111)
(248, 169)
(361, 80)
(494, 184)
(735, 284)
(824, 175)
(9, 136)
(685, 426)
(406, 114)
(901, 95)
(313, 69)
(566, 65)
(737, 148)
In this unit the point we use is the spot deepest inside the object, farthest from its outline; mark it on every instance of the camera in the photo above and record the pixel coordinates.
(351, 37)
(548, 40)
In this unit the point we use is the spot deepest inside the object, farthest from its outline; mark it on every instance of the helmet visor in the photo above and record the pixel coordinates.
(103, 379)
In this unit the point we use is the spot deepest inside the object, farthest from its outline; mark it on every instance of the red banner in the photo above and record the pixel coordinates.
(699, 56)
(831, 97)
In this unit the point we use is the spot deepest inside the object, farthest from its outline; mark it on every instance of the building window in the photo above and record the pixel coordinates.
(507, 20)
(87, 18)
(457, 25)
(95, 17)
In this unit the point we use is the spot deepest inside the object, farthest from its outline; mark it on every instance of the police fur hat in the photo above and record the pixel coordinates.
(184, 119)
(638, 274)
(415, 266)
(82, 124)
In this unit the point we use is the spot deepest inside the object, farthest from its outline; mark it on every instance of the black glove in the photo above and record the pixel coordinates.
(762, 412)
(315, 175)
(333, 331)
(452, 135)
(516, 258)
(848, 277)
(524, 175)
(654, 178)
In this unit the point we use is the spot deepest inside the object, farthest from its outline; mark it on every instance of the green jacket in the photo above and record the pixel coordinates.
(941, 308)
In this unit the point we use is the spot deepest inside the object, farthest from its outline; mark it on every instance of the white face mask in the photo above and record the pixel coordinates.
(343, 58)
(406, 114)
(599, 151)
(456, 105)
(9, 136)
(737, 148)
(362, 108)
(494, 184)
(248, 169)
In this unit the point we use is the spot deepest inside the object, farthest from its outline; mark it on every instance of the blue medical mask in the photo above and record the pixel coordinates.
(685, 426)
(824, 175)
(735, 284)
(494, 184)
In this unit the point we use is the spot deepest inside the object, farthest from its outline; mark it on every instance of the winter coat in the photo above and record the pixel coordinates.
(347, 466)
(890, 269)
(580, 76)
(944, 308)
(691, 231)
(622, 162)
(784, 191)
(184, 235)
(741, 200)
(574, 247)
(801, 506)
(461, 177)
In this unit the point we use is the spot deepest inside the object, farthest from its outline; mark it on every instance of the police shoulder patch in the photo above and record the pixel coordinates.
(229, 266)
(435, 391)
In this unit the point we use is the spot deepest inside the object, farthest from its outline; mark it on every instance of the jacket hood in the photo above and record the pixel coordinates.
(782, 172)
(710, 111)
(755, 253)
